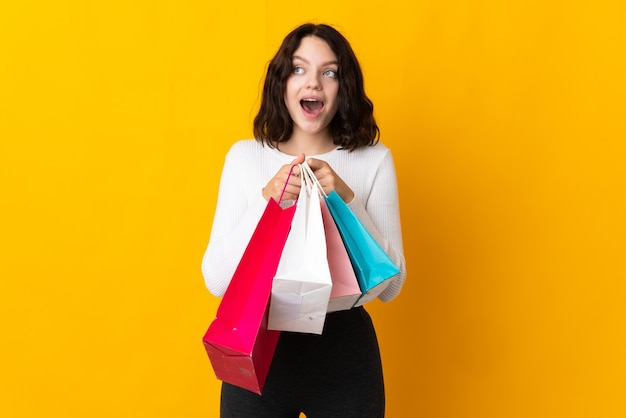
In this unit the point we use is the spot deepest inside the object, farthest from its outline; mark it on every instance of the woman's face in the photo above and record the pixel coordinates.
(311, 90)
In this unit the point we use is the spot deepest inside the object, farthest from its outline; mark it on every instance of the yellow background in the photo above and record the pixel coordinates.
(506, 119)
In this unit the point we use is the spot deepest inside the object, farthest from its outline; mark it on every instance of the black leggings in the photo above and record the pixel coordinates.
(334, 375)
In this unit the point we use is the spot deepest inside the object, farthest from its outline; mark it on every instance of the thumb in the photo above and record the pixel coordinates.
(299, 159)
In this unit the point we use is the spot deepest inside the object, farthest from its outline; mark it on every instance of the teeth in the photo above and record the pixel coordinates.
(309, 100)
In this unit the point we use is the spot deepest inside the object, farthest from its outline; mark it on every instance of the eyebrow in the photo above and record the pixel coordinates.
(296, 57)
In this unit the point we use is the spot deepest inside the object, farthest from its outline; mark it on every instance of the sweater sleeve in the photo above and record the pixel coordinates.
(237, 213)
(381, 217)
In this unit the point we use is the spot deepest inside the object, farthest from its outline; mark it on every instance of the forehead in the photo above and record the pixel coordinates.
(312, 48)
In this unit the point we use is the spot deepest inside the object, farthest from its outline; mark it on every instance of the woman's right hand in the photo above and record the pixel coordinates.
(274, 188)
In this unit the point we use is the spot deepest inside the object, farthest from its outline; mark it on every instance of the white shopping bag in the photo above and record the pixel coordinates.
(302, 284)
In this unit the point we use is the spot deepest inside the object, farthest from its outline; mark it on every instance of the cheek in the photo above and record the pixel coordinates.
(290, 97)
(332, 89)
(291, 91)
(333, 93)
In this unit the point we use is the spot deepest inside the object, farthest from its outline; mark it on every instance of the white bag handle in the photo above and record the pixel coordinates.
(311, 176)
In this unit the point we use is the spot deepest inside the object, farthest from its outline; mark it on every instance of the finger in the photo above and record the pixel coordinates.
(294, 180)
(295, 172)
(314, 163)
(290, 170)
(290, 186)
(318, 166)
(291, 192)
(298, 160)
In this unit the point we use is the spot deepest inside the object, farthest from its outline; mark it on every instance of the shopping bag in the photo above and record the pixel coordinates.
(302, 285)
(346, 290)
(372, 266)
(238, 343)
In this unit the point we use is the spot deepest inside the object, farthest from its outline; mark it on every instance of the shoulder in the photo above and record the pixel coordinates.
(366, 159)
(373, 153)
(245, 146)
(379, 148)
(246, 149)
(368, 156)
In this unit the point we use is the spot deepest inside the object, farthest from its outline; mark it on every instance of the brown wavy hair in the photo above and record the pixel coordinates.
(353, 125)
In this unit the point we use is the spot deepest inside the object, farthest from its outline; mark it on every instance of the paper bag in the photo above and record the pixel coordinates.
(238, 342)
(302, 285)
(346, 290)
(372, 266)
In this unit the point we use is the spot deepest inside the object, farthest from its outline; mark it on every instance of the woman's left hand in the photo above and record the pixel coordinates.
(329, 180)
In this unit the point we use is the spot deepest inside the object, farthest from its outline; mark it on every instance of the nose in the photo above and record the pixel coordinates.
(313, 81)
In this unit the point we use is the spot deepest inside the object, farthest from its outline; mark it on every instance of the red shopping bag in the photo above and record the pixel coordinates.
(238, 342)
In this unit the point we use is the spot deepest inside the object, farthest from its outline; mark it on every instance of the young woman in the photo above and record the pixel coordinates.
(313, 106)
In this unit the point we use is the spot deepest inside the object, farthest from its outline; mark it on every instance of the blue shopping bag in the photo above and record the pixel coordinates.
(372, 266)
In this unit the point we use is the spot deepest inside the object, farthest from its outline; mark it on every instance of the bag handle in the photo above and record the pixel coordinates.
(309, 173)
(280, 199)
(306, 182)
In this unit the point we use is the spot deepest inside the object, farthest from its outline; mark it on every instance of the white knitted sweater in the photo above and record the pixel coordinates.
(369, 171)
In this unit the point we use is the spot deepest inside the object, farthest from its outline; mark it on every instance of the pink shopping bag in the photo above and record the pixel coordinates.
(345, 291)
(238, 342)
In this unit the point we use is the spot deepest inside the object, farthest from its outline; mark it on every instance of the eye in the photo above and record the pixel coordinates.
(330, 73)
(297, 70)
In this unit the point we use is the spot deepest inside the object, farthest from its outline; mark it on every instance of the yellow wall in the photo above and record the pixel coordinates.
(506, 119)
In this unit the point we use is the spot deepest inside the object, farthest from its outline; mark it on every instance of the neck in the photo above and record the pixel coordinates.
(307, 144)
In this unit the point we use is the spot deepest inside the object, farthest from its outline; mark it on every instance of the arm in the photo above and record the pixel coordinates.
(236, 217)
(240, 204)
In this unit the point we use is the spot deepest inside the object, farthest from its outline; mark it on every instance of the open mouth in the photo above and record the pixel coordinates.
(311, 105)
